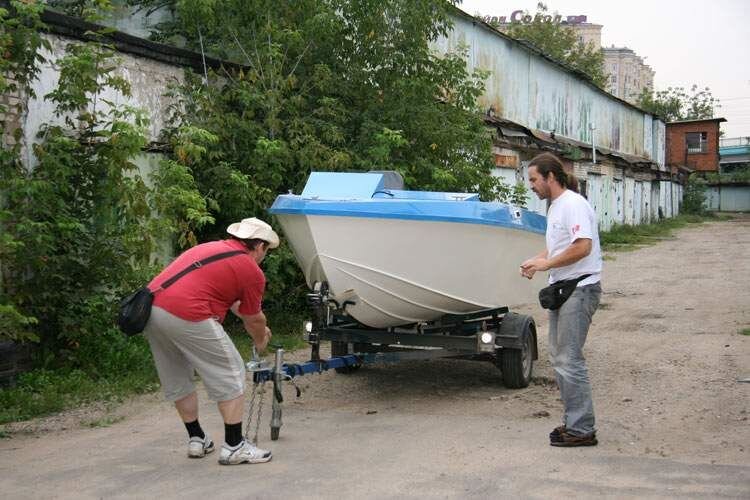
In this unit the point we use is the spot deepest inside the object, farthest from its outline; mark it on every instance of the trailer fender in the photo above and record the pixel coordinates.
(513, 329)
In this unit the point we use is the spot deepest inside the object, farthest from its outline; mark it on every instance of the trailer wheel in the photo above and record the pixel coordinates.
(517, 364)
(339, 348)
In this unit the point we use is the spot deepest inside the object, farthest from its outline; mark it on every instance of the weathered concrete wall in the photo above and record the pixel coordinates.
(149, 80)
(532, 91)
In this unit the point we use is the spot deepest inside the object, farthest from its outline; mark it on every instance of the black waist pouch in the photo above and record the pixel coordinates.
(135, 309)
(554, 296)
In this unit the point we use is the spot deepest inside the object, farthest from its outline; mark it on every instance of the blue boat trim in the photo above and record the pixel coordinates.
(469, 212)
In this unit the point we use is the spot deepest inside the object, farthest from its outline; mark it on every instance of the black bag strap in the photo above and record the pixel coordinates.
(196, 265)
(571, 281)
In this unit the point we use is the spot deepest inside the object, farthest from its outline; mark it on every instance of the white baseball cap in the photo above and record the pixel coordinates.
(253, 228)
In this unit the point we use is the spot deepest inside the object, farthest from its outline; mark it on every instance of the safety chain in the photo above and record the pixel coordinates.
(257, 388)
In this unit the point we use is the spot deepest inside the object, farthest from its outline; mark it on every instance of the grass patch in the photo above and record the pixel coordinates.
(745, 331)
(114, 368)
(626, 238)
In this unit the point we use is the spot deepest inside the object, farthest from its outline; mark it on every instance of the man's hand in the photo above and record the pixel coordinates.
(262, 343)
(531, 266)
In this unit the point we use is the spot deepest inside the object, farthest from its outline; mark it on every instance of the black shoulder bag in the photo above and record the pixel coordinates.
(554, 296)
(135, 309)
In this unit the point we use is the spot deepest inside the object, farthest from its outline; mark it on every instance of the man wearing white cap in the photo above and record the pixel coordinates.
(186, 335)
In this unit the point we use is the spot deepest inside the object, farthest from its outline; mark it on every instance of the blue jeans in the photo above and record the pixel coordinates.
(568, 327)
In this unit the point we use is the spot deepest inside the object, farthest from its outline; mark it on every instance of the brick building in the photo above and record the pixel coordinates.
(694, 144)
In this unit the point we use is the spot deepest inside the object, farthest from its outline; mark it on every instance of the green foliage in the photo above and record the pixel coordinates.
(20, 44)
(625, 237)
(694, 196)
(110, 367)
(16, 326)
(326, 86)
(561, 43)
(739, 175)
(80, 224)
(572, 152)
(676, 104)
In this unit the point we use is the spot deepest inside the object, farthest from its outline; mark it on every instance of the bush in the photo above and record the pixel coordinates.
(694, 196)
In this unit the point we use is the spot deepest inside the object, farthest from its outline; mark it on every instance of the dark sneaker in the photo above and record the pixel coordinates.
(566, 439)
(556, 434)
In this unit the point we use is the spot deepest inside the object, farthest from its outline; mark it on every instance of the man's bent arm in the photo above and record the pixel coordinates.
(256, 326)
(577, 250)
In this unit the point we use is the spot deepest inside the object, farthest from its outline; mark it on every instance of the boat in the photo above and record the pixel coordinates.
(396, 257)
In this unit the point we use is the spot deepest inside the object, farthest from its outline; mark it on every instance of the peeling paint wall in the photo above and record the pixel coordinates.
(529, 90)
(148, 79)
(659, 131)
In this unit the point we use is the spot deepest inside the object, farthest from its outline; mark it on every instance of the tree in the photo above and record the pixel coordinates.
(79, 229)
(332, 85)
(561, 43)
(675, 104)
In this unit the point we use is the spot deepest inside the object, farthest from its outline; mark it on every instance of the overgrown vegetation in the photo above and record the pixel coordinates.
(626, 237)
(694, 197)
(333, 85)
(739, 175)
(111, 370)
(330, 86)
(674, 103)
(80, 225)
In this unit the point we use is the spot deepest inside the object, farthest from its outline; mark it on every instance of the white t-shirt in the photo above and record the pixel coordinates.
(569, 218)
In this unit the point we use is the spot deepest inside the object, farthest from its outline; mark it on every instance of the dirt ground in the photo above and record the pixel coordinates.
(666, 361)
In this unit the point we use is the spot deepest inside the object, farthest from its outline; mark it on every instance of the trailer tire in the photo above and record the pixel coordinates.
(339, 348)
(517, 365)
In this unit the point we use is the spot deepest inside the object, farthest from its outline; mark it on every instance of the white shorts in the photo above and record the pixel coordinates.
(181, 347)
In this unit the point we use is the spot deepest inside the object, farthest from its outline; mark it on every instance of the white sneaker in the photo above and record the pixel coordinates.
(200, 447)
(243, 453)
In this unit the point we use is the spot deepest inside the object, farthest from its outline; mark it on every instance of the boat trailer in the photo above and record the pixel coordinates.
(497, 335)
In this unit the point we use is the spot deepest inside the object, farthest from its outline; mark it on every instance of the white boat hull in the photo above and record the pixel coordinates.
(401, 271)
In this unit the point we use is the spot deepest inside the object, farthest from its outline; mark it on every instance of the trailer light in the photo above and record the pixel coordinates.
(307, 328)
(486, 342)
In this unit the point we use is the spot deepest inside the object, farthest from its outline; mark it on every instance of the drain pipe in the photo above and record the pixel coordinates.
(593, 144)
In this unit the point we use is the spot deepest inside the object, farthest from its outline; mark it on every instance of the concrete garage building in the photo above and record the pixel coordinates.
(534, 104)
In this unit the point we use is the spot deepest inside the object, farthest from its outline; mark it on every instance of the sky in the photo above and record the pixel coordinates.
(685, 42)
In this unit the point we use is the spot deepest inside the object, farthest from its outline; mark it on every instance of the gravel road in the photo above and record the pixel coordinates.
(665, 357)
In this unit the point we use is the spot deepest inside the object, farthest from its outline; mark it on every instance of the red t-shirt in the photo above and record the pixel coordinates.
(209, 292)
